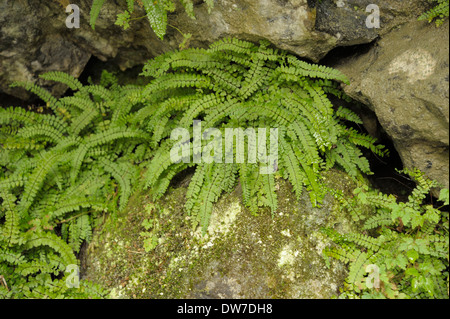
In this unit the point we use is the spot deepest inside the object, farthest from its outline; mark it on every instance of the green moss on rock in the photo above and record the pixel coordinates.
(241, 255)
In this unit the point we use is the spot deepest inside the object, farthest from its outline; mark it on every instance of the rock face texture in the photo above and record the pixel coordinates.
(34, 37)
(240, 256)
(404, 80)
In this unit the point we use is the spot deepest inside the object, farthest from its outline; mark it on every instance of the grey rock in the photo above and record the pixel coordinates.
(351, 22)
(404, 80)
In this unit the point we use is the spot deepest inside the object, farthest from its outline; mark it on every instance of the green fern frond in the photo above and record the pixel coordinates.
(195, 187)
(255, 78)
(124, 174)
(10, 231)
(358, 268)
(12, 257)
(79, 230)
(338, 253)
(13, 182)
(74, 204)
(98, 91)
(95, 140)
(42, 93)
(366, 141)
(232, 44)
(95, 11)
(36, 179)
(82, 121)
(188, 7)
(52, 134)
(79, 102)
(383, 218)
(157, 166)
(217, 180)
(348, 115)
(439, 12)
(364, 241)
(305, 69)
(167, 82)
(11, 115)
(268, 194)
(291, 164)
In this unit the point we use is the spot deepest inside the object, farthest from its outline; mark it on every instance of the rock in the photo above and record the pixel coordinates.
(404, 80)
(347, 20)
(34, 38)
(241, 256)
(30, 45)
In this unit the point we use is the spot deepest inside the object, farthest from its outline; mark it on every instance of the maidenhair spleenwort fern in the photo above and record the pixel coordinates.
(407, 254)
(87, 153)
(239, 85)
(438, 13)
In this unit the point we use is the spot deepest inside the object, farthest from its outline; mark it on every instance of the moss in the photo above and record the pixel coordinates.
(241, 256)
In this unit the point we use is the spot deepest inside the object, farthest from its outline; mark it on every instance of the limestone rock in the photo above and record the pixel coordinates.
(404, 80)
(354, 22)
(30, 45)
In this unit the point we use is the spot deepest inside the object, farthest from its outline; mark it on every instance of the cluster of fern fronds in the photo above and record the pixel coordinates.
(437, 13)
(237, 84)
(156, 12)
(84, 155)
(406, 256)
(59, 169)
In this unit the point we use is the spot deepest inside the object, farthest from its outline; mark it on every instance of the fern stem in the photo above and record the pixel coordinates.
(72, 218)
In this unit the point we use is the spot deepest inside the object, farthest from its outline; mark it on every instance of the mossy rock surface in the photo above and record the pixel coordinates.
(241, 256)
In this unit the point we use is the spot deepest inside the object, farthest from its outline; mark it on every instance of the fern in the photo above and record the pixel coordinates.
(64, 78)
(156, 12)
(10, 231)
(411, 259)
(243, 84)
(123, 173)
(85, 156)
(95, 11)
(36, 179)
(54, 242)
(78, 231)
(75, 139)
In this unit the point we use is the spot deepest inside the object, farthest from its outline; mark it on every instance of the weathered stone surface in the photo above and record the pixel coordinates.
(404, 79)
(346, 20)
(30, 45)
(241, 256)
(34, 38)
